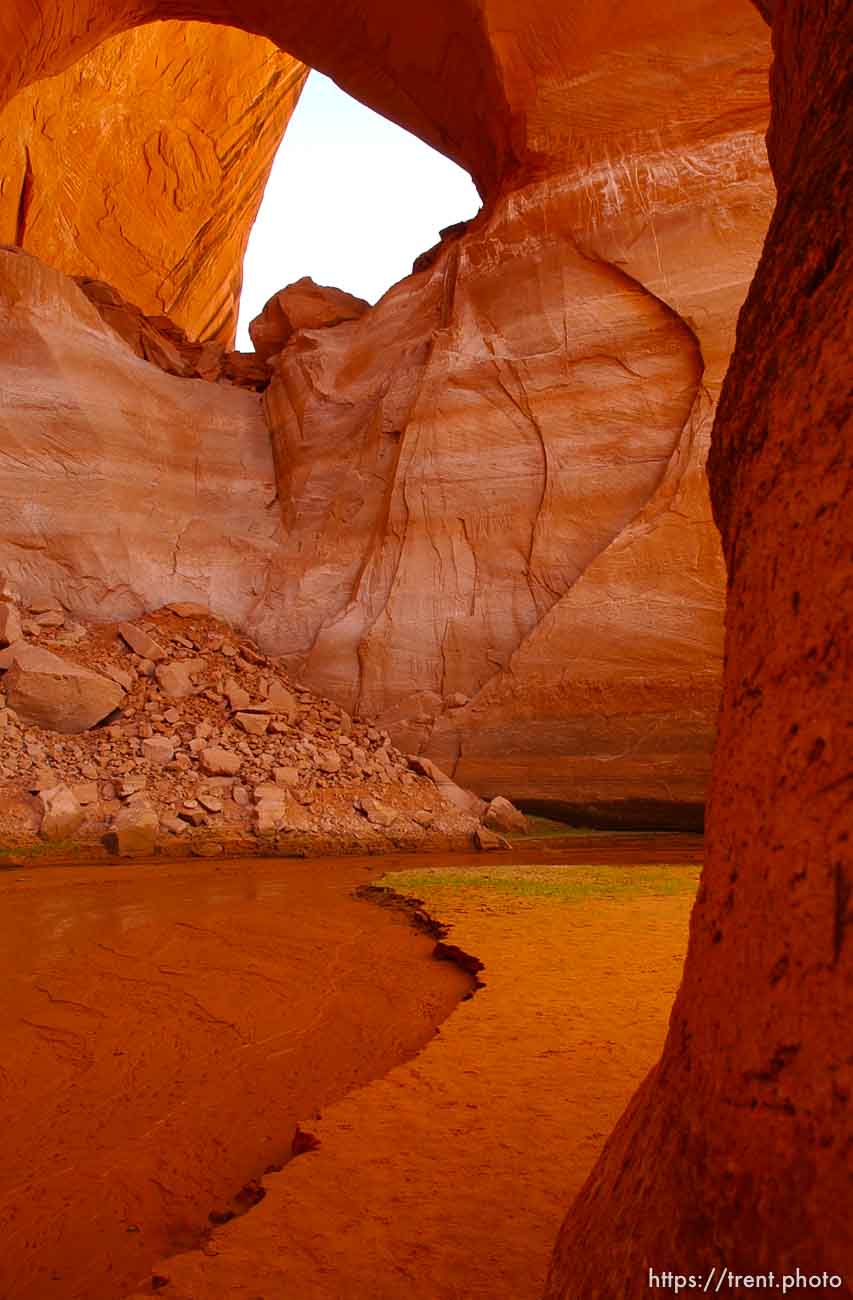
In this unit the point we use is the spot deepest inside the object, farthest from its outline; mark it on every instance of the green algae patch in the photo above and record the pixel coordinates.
(567, 884)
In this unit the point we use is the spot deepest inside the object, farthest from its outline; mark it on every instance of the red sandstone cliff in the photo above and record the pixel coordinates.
(736, 1152)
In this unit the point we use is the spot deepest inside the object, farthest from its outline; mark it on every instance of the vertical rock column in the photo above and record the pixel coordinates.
(737, 1151)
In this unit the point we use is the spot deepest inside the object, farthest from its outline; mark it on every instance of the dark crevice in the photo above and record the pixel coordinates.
(25, 200)
(415, 913)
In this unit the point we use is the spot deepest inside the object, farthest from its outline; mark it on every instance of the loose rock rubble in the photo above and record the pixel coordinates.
(158, 340)
(173, 734)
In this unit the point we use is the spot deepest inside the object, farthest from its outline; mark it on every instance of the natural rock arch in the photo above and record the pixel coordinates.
(577, 335)
(684, 1162)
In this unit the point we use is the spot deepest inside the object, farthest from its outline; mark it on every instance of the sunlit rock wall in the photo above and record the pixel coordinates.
(145, 163)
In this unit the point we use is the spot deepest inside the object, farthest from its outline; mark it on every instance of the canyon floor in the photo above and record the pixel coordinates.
(176, 1033)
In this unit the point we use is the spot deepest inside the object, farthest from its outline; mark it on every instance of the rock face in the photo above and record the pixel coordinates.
(301, 306)
(10, 625)
(138, 483)
(62, 813)
(456, 465)
(183, 120)
(737, 1147)
(490, 487)
(52, 693)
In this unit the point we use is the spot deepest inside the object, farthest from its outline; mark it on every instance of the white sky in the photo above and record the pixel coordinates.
(351, 201)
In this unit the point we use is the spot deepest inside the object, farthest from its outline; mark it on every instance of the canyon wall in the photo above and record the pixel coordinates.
(495, 531)
(498, 532)
(144, 165)
(119, 483)
(618, 147)
(736, 1152)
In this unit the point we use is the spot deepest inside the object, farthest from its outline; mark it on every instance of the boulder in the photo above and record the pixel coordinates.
(193, 816)
(254, 724)
(269, 816)
(281, 700)
(464, 800)
(377, 813)
(501, 815)
(238, 697)
(486, 840)
(49, 692)
(10, 624)
(301, 306)
(277, 811)
(220, 762)
(176, 679)
(62, 814)
(211, 803)
(159, 750)
(134, 830)
(86, 792)
(141, 642)
(285, 776)
(118, 675)
(174, 825)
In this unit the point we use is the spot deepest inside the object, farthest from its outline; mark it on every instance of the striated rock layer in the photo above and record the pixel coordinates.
(736, 1152)
(144, 165)
(117, 481)
(494, 531)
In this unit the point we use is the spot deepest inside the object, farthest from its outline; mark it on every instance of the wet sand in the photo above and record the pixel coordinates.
(448, 1178)
(164, 1028)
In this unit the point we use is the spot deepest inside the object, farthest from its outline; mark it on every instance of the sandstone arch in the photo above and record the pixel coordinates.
(143, 165)
(590, 654)
(630, 173)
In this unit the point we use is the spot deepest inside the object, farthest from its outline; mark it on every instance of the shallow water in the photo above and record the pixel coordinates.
(166, 1025)
(164, 1029)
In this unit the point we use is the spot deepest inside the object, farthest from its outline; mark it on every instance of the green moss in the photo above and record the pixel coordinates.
(568, 884)
(545, 828)
(35, 851)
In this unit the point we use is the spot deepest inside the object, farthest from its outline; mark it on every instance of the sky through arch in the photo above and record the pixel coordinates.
(351, 201)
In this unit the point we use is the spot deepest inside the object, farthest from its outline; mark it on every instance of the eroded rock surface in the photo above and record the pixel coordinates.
(159, 340)
(301, 306)
(144, 165)
(735, 1152)
(122, 486)
(494, 530)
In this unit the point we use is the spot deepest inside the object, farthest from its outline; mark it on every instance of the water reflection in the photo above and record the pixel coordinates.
(47, 922)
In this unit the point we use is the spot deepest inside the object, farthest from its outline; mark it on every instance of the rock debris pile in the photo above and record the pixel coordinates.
(173, 734)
